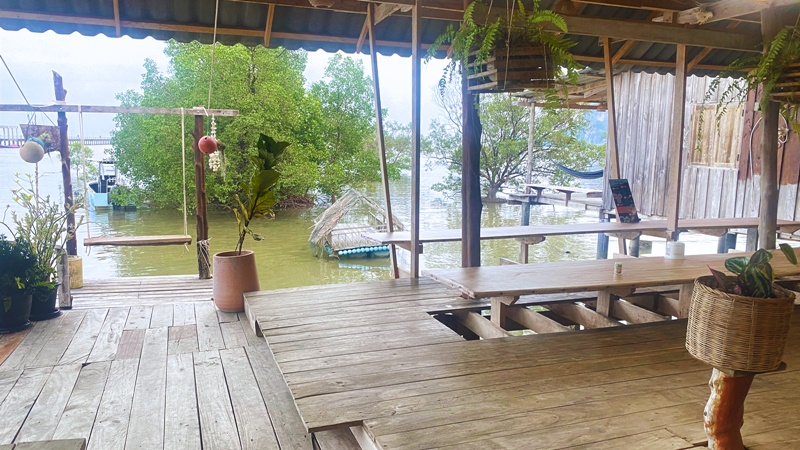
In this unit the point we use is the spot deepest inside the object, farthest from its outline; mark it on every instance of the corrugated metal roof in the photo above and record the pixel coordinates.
(312, 29)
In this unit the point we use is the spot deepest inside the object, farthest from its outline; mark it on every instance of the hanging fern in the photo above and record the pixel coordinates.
(473, 42)
(762, 74)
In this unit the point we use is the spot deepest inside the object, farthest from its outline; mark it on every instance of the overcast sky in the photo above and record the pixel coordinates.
(96, 68)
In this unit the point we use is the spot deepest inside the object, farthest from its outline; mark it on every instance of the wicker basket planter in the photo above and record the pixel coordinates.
(734, 332)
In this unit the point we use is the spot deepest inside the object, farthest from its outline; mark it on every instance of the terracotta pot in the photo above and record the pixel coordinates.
(234, 274)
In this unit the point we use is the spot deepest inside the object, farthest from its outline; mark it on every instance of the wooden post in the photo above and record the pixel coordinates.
(471, 203)
(526, 205)
(64, 293)
(724, 412)
(768, 210)
(611, 139)
(416, 130)
(200, 196)
(676, 144)
(66, 176)
(376, 85)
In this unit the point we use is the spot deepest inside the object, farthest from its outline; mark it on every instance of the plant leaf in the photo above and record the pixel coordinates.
(737, 264)
(760, 257)
(788, 251)
(722, 280)
(757, 282)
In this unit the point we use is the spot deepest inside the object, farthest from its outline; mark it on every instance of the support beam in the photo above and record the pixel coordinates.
(471, 203)
(768, 210)
(416, 130)
(376, 85)
(480, 325)
(611, 146)
(631, 313)
(116, 18)
(533, 320)
(268, 27)
(66, 176)
(676, 144)
(727, 9)
(116, 110)
(582, 315)
(200, 197)
(363, 35)
(526, 205)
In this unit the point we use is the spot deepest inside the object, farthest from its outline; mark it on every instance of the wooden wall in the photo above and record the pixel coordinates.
(729, 189)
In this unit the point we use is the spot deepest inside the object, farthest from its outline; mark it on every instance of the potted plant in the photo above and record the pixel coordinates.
(235, 271)
(16, 262)
(511, 49)
(43, 225)
(739, 325)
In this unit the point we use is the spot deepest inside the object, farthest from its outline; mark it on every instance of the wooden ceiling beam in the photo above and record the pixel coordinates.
(116, 18)
(268, 28)
(118, 110)
(653, 5)
(381, 12)
(728, 9)
(360, 7)
(647, 63)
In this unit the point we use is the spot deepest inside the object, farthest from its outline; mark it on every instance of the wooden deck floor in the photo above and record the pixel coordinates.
(146, 363)
(370, 356)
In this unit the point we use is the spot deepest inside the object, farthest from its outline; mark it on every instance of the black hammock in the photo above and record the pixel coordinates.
(594, 174)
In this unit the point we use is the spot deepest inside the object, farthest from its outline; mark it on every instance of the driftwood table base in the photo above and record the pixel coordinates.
(724, 412)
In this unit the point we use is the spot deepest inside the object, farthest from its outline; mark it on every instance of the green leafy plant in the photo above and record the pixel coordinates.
(765, 72)
(484, 31)
(754, 274)
(16, 263)
(43, 226)
(259, 193)
(124, 196)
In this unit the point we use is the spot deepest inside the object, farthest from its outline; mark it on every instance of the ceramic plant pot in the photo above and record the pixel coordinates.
(43, 306)
(14, 312)
(234, 274)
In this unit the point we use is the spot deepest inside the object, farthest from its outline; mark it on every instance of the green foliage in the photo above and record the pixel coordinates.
(328, 125)
(259, 196)
(79, 157)
(127, 195)
(16, 262)
(761, 74)
(504, 143)
(483, 31)
(43, 226)
(754, 275)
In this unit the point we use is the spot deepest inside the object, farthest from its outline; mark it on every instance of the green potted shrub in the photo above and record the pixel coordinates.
(43, 225)
(16, 262)
(235, 271)
(511, 49)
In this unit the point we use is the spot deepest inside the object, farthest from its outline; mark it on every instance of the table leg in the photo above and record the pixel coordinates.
(685, 300)
(499, 313)
(724, 412)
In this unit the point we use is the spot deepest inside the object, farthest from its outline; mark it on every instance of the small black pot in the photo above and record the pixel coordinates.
(15, 318)
(43, 306)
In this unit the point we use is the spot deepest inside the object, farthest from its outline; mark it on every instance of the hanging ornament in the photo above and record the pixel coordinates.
(32, 150)
(214, 162)
(207, 144)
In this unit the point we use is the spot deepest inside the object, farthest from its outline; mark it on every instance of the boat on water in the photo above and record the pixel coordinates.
(339, 231)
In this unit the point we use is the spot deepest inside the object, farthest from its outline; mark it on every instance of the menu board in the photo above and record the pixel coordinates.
(623, 199)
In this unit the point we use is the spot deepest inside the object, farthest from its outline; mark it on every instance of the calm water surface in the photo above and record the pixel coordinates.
(284, 258)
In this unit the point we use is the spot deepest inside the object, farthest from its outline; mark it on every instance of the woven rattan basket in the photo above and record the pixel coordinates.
(734, 332)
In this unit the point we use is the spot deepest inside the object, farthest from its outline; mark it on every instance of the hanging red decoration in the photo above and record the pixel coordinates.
(207, 145)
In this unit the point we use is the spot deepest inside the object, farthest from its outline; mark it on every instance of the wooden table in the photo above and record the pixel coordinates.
(505, 284)
(537, 233)
(566, 190)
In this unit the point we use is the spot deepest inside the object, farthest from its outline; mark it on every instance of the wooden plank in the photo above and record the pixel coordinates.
(631, 313)
(111, 424)
(182, 339)
(41, 422)
(289, 427)
(108, 341)
(676, 143)
(481, 326)
(336, 440)
(79, 415)
(130, 344)
(213, 403)
(225, 317)
(32, 344)
(534, 321)
(183, 314)
(55, 347)
(59, 444)
(233, 335)
(85, 338)
(139, 318)
(9, 342)
(252, 418)
(128, 241)
(20, 399)
(146, 427)
(582, 315)
(161, 316)
(209, 334)
(8, 378)
(181, 424)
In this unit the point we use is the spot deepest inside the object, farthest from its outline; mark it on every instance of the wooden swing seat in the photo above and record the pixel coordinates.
(176, 239)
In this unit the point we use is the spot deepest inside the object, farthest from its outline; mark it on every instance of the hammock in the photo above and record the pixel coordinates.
(594, 174)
